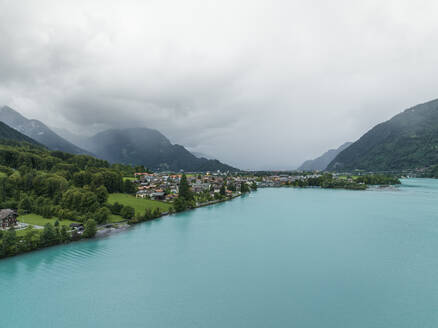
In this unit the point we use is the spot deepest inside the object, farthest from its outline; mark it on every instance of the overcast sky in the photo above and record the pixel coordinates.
(257, 84)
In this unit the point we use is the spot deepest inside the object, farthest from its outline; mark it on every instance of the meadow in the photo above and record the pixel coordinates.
(139, 204)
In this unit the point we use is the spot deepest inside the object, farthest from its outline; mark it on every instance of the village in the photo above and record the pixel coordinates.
(165, 187)
(208, 188)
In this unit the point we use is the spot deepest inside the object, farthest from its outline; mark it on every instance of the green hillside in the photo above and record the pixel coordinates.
(408, 140)
(53, 189)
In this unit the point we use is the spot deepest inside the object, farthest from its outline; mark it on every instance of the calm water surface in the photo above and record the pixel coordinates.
(275, 258)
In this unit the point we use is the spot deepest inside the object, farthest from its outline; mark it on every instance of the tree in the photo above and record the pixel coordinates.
(156, 213)
(184, 189)
(102, 215)
(127, 212)
(148, 214)
(49, 236)
(97, 180)
(129, 187)
(244, 187)
(116, 208)
(29, 242)
(89, 202)
(25, 205)
(180, 204)
(90, 229)
(102, 194)
(64, 236)
(254, 185)
(9, 243)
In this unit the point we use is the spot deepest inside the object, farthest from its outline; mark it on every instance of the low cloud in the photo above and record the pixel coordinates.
(257, 84)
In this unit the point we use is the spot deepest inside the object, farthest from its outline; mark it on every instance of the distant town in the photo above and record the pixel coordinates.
(214, 185)
(165, 186)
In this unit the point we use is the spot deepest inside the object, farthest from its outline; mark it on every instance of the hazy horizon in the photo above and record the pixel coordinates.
(255, 84)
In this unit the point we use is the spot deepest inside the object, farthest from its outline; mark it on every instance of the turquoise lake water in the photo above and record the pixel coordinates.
(275, 258)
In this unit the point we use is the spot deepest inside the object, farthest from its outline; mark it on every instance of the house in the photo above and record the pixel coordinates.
(158, 195)
(79, 227)
(142, 194)
(8, 218)
(170, 197)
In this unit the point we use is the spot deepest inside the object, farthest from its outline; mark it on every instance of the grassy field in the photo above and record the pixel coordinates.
(115, 218)
(35, 219)
(128, 178)
(139, 204)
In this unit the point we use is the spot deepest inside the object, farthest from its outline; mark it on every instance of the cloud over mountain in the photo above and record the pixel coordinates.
(256, 83)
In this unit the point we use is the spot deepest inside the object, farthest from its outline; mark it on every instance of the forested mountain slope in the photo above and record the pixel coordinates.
(408, 140)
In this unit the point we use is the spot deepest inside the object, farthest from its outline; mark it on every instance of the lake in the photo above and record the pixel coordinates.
(275, 258)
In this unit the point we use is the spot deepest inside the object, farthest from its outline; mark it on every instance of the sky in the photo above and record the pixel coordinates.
(258, 84)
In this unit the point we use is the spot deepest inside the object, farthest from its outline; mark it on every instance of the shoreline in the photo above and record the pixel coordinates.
(109, 229)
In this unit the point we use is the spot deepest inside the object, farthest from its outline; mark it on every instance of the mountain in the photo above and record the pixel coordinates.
(37, 131)
(79, 140)
(8, 133)
(408, 140)
(320, 163)
(148, 147)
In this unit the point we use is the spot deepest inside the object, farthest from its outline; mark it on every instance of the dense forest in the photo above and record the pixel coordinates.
(56, 184)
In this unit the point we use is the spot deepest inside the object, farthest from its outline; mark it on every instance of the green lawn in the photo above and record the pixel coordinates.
(139, 204)
(128, 178)
(115, 218)
(35, 219)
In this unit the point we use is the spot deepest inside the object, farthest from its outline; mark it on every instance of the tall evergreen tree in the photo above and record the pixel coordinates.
(184, 189)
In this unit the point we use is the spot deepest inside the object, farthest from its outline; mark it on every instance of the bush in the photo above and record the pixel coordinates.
(116, 208)
(127, 212)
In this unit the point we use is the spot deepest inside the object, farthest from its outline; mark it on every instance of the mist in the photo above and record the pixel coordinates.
(256, 84)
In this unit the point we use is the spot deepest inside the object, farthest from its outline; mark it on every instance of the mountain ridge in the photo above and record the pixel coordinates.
(320, 163)
(406, 141)
(38, 131)
(149, 147)
(8, 133)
